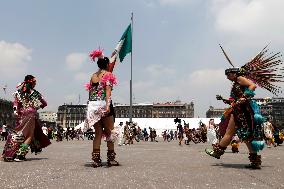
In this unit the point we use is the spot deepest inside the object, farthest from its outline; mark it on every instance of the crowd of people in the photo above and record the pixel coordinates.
(130, 132)
(184, 133)
(210, 133)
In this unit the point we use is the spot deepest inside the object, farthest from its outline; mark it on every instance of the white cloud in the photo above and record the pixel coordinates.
(253, 21)
(206, 77)
(13, 59)
(164, 22)
(240, 16)
(150, 4)
(71, 98)
(203, 86)
(83, 77)
(153, 3)
(75, 61)
(167, 2)
(157, 70)
(200, 85)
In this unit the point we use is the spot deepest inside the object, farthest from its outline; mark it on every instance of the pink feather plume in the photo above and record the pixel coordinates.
(96, 54)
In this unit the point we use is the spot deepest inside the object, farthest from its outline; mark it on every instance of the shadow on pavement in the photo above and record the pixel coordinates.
(32, 159)
(90, 164)
(235, 166)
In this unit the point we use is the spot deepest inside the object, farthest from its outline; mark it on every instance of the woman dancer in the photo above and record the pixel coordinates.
(235, 144)
(243, 116)
(100, 112)
(211, 133)
(268, 132)
(27, 133)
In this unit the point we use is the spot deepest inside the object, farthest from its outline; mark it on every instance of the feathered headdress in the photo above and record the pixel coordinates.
(98, 53)
(264, 70)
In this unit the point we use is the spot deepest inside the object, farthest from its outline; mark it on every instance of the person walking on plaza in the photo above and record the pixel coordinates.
(126, 133)
(277, 135)
(80, 134)
(165, 135)
(175, 135)
(100, 111)
(268, 132)
(211, 133)
(4, 133)
(28, 133)
(44, 129)
(145, 134)
(172, 134)
(243, 117)
(67, 133)
(121, 128)
(235, 144)
(180, 131)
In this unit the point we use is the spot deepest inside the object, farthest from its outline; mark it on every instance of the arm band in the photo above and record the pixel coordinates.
(249, 93)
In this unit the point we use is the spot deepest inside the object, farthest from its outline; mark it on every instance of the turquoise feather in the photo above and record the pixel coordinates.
(257, 145)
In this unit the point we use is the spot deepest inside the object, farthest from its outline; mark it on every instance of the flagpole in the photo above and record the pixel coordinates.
(130, 109)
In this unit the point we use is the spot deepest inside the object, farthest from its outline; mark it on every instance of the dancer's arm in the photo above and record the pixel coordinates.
(43, 103)
(246, 82)
(250, 85)
(108, 98)
(109, 80)
(15, 106)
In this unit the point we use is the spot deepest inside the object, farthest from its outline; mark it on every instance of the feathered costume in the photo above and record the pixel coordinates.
(265, 69)
(26, 103)
(97, 98)
(96, 110)
(262, 70)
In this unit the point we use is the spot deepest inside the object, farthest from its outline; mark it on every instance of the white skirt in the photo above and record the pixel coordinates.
(95, 112)
(211, 136)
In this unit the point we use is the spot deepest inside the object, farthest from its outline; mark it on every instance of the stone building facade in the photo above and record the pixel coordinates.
(273, 107)
(214, 112)
(265, 106)
(156, 110)
(47, 116)
(69, 115)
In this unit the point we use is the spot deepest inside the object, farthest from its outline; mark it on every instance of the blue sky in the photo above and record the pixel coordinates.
(175, 50)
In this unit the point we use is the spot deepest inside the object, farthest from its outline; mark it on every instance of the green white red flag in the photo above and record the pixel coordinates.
(123, 47)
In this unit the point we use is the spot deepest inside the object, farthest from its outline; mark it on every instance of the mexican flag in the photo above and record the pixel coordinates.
(123, 47)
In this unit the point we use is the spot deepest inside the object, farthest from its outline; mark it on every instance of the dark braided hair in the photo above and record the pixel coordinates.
(29, 77)
(29, 82)
(103, 63)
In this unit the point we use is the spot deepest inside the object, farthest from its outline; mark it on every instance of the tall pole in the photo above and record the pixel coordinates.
(130, 109)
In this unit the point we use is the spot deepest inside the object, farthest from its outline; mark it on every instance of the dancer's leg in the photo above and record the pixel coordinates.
(219, 149)
(96, 144)
(108, 125)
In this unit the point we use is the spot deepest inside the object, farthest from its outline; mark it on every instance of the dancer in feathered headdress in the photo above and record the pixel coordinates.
(28, 133)
(243, 117)
(100, 112)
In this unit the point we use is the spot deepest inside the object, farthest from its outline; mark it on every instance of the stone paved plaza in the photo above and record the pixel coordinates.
(143, 165)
